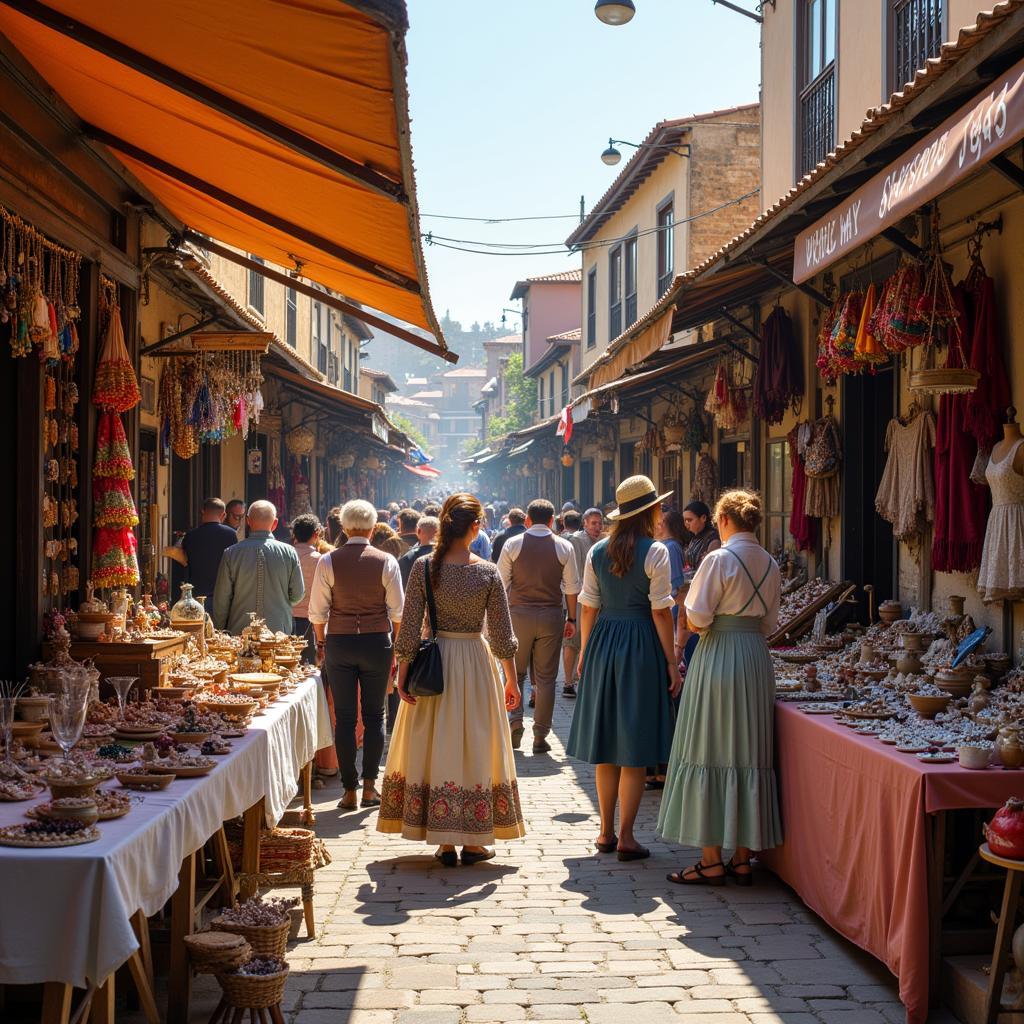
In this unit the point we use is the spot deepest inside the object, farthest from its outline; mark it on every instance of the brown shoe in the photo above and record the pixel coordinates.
(349, 802)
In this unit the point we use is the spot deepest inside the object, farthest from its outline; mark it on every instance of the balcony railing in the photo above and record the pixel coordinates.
(817, 120)
(916, 29)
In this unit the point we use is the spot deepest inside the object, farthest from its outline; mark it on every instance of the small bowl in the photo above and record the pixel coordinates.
(34, 709)
(928, 706)
(975, 757)
(144, 780)
(174, 692)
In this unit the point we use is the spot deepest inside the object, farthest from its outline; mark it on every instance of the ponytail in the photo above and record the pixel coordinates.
(457, 517)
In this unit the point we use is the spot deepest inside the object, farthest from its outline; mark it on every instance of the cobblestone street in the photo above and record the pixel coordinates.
(550, 931)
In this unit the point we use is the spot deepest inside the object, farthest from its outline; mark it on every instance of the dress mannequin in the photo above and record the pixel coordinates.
(1011, 435)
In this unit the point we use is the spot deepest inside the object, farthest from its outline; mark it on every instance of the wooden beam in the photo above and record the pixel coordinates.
(209, 97)
(737, 322)
(325, 297)
(228, 199)
(1008, 169)
(178, 335)
(901, 241)
(805, 288)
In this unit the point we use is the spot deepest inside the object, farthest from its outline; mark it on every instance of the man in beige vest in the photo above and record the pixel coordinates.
(355, 603)
(539, 572)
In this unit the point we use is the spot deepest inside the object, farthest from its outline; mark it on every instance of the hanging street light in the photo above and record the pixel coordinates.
(611, 156)
(615, 12)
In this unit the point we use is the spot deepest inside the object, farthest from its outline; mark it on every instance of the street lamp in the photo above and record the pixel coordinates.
(611, 156)
(615, 12)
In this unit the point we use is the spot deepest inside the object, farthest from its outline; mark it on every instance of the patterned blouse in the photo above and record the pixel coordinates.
(463, 595)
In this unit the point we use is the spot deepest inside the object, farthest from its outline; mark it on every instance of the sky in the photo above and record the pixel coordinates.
(512, 104)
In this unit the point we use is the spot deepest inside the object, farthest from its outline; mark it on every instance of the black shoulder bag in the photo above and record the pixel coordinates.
(426, 674)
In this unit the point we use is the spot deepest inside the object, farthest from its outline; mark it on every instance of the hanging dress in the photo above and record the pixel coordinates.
(802, 527)
(906, 494)
(1001, 576)
(720, 788)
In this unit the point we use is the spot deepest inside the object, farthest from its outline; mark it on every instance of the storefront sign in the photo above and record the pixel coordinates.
(965, 141)
(379, 427)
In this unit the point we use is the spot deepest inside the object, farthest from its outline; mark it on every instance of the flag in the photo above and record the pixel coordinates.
(427, 471)
(564, 428)
(418, 457)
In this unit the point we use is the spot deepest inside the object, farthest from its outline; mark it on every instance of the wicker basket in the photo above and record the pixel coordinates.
(255, 992)
(216, 951)
(281, 849)
(269, 940)
(944, 381)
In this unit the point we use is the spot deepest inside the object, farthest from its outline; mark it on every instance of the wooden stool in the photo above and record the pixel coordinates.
(228, 1014)
(1004, 933)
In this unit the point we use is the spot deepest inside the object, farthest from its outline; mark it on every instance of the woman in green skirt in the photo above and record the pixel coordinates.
(720, 786)
(628, 673)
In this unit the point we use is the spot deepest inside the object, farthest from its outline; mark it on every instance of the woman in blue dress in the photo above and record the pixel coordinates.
(628, 673)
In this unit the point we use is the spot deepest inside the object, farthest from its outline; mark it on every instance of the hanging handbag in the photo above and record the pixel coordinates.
(426, 674)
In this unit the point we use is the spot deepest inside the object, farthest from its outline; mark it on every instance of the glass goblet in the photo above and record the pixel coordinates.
(67, 720)
(7, 725)
(121, 685)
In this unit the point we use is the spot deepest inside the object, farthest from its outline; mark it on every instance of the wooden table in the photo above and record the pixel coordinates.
(146, 659)
(1004, 932)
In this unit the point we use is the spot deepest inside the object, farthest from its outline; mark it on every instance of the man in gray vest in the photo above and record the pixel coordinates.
(539, 571)
(355, 603)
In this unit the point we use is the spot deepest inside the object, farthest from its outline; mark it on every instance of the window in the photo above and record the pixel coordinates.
(630, 284)
(540, 397)
(779, 504)
(569, 483)
(592, 308)
(255, 290)
(332, 368)
(615, 292)
(320, 335)
(291, 316)
(915, 34)
(666, 246)
(565, 385)
(817, 101)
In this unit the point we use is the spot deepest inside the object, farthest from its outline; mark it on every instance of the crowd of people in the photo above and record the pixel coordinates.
(656, 616)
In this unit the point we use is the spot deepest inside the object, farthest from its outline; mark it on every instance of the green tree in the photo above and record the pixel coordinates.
(522, 401)
(470, 446)
(406, 426)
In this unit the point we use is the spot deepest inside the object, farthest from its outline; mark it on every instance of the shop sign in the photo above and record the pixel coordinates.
(978, 131)
(379, 427)
(254, 462)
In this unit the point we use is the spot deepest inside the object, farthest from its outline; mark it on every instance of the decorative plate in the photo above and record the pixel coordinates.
(940, 758)
(797, 658)
(818, 709)
(881, 715)
(913, 748)
(16, 835)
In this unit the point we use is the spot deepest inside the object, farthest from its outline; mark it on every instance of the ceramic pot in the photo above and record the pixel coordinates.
(1009, 748)
(890, 611)
(914, 642)
(956, 605)
(867, 653)
(979, 697)
(87, 813)
(975, 757)
(955, 682)
(909, 662)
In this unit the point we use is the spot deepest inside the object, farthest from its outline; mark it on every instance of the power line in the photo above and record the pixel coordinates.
(501, 220)
(545, 248)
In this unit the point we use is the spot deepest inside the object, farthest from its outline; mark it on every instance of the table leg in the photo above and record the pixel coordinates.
(142, 984)
(179, 980)
(56, 1003)
(1004, 936)
(102, 1011)
(140, 925)
(936, 877)
(308, 817)
(252, 826)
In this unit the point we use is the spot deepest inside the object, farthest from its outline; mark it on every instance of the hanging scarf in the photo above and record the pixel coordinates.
(961, 506)
(985, 407)
(802, 528)
(780, 378)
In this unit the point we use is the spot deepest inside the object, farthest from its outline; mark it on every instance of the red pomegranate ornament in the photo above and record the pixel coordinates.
(1005, 832)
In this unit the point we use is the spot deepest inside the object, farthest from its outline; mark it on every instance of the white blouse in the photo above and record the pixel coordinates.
(721, 587)
(657, 567)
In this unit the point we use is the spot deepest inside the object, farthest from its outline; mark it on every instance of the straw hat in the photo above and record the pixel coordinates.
(635, 494)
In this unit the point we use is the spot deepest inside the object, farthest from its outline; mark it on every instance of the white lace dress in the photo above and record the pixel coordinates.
(1001, 576)
(906, 494)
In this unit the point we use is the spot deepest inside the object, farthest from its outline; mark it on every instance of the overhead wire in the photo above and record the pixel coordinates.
(547, 248)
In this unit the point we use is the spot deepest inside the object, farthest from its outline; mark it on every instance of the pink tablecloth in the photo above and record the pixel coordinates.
(854, 817)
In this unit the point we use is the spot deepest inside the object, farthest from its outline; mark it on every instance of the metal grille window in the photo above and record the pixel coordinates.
(615, 293)
(630, 280)
(915, 33)
(565, 385)
(592, 308)
(255, 290)
(817, 101)
(291, 317)
(779, 496)
(666, 246)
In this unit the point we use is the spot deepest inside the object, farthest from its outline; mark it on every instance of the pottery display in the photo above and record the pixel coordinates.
(974, 757)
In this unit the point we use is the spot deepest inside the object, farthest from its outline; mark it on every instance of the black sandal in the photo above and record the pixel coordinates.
(699, 878)
(449, 858)
(609, 847)
(740, 879)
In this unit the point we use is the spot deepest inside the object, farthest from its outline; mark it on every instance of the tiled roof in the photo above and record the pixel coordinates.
(574, 276)
(424, 395)
(467, 371)
(641, 164)
(507, 339)
(566, 337)
(877, 118)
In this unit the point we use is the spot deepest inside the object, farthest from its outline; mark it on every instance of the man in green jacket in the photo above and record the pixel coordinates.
(259, 574)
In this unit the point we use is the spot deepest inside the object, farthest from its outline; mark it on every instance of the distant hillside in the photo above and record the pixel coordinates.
(401, 360)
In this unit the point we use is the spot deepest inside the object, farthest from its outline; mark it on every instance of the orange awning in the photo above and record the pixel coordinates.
(277, 126)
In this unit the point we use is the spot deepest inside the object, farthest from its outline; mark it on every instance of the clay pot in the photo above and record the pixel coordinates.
(914, 642)
(956, 605)
(87, 814)
(955, 682)
(890, 612)
(909, 663)
(867, 653)
(979, 697)
(1009, 748)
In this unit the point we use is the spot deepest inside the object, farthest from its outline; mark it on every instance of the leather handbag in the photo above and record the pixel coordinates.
(426, 674)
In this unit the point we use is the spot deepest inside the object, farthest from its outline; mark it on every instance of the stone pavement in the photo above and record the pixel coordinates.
(551, 931)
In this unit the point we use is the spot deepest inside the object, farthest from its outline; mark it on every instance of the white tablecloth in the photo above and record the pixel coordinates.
(65, 913)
